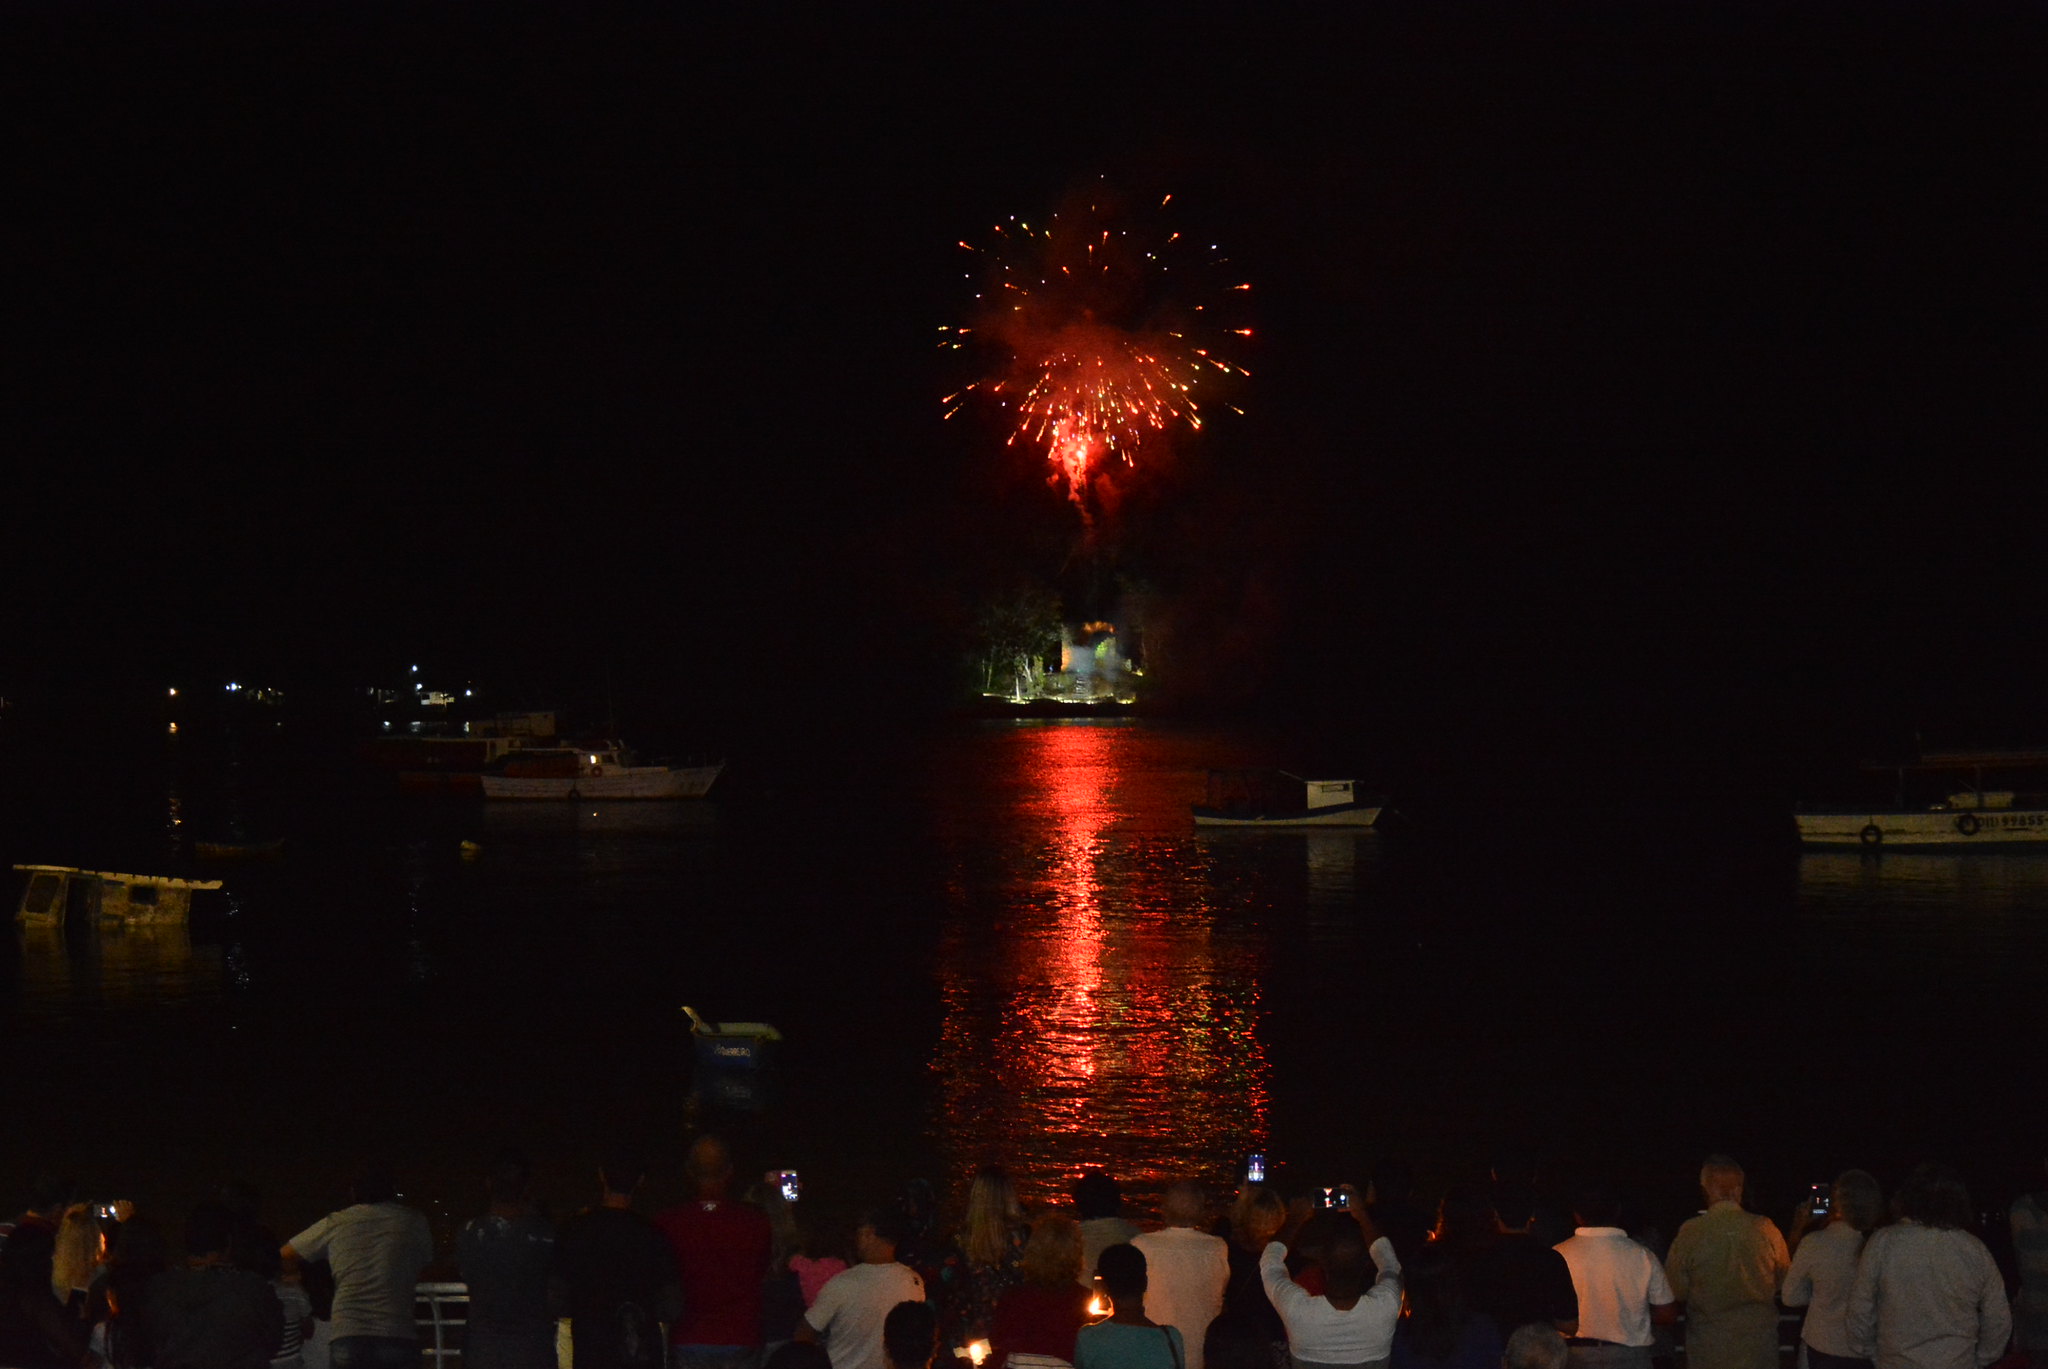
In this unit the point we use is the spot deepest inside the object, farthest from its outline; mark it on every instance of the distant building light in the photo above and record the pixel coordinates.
(465, 693)
(387, 724)
(174, 726)
(174, 691)
(233, 687)
(415, 670)
(415, 683)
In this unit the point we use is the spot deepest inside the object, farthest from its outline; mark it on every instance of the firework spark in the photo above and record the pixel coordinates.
(1112, 332)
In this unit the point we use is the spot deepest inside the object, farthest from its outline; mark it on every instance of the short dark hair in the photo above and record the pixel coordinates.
(888, 1223)
(510, 1175)
(1121, 1268)
(1933, 1195)
(49, 1189)
(1514, 1203)
(1097, 1195)
(622, 1169)
(1595, 1203)
(374, 1183)
(209, 1229)
(910, 1335)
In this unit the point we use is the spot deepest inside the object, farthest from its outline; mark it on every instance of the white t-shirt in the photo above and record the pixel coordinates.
(377, 1251)
(851, 1308)
(1617, 1281)
(1185, 1274)
(1323, 1334)
(1823, 1272)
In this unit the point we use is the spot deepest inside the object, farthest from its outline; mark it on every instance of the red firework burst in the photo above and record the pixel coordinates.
(1111, 333)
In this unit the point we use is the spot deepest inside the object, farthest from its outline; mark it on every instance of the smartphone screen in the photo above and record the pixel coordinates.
(791, 1185)
(1817, 1199)
(1255, 1167)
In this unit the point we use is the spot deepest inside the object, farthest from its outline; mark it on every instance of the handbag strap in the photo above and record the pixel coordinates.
(1171, 1348)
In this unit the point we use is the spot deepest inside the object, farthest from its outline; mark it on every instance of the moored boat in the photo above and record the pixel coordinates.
(1981, 815)
(1276, 798)
(604, 771)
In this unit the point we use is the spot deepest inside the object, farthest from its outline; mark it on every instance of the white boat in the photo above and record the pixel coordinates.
(1276, 798)
(1976, 816)
(57, 891)
(1959, 821)
(596, 772)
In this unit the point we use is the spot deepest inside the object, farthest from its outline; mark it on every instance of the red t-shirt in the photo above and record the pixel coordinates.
(722, 1256)
(1032, 1319)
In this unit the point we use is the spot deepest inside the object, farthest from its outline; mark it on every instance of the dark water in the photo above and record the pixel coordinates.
(999, 941)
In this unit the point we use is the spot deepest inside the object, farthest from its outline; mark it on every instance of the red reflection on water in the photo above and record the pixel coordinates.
(1097, 1009)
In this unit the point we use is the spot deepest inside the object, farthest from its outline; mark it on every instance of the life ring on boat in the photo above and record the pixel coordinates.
(1872, 835)
(1967, 824)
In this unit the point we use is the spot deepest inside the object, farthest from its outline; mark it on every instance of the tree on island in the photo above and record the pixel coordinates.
(1013, 630)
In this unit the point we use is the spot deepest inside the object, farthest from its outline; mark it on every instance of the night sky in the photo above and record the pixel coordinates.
(1644, 385)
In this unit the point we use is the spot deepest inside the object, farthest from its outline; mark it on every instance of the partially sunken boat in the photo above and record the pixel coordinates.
(56, 892)
(1276, 798)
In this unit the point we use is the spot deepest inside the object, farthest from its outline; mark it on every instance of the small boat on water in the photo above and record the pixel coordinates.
(1277, 798)
(57, 892)
(604, 771)
(1993, 811)
(731, 1045)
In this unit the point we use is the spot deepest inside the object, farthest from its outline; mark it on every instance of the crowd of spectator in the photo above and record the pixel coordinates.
(1492, 1275)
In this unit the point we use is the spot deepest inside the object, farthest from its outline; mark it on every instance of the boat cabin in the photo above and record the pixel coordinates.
(56, 893)
(1274, 791)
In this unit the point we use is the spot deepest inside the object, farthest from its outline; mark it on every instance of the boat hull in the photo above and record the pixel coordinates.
(1936, 827)
(1338, 815)
(650, 782)
(631, 782)
(528, 786)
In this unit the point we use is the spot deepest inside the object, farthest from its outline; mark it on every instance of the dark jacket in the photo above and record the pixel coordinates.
(213, 1318)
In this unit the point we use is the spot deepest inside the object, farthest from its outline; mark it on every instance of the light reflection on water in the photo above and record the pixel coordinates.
(1881, 905)
(1109, 1013)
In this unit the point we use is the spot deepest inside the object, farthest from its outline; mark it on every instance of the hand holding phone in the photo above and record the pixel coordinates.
(792, 1187)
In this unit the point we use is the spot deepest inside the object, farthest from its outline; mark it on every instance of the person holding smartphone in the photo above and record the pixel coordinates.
(1828, 1235)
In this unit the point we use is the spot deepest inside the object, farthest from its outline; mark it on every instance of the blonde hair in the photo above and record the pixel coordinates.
(992, 1217)
(1052, 1257)
(79, 1245)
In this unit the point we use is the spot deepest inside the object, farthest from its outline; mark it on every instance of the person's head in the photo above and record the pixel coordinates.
(1185, 1203)
(881, 1231)
(1933, 1195)
(1465, 1217)
(1257, 1215)
(1721, 1179)
(1347, 1266)
(1393, 1182)
(1514, 1204)
(1097, 1195)
(1595, 1203)
(1434, 1301)
(242, 1198)
(510, 1177)
(1052, 1257)
(709, 1166)
(619, 1172)
(1858, 1199)
(139, 1249)
(1535, 1347)
(49, 1193)
(910, 1335)
(1121, 1268)
(209, 1230)
(992, 1214)
(374, 1183)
